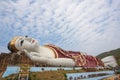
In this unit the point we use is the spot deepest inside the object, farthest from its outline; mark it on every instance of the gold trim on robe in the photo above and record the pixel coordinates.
(79, 58)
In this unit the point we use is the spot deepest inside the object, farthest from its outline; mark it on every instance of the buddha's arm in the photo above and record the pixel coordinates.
(61, 62)
(50, 61)
(38, 59)
(35, 57)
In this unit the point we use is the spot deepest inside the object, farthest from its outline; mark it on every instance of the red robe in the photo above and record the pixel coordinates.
(79, 58)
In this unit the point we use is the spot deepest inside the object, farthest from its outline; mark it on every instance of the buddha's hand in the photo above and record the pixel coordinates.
(22, 51)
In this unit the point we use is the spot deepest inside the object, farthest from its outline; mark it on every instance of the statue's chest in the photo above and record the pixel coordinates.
(46, 52)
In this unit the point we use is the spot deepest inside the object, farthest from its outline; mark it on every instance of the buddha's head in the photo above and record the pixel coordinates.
(20, 42)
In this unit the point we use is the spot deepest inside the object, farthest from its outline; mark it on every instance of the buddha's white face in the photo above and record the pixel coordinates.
(27, 43)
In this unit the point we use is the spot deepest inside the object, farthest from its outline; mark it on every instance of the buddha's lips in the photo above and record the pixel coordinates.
(33, 41)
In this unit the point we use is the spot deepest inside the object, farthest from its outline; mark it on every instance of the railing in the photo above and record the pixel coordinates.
(89, 75)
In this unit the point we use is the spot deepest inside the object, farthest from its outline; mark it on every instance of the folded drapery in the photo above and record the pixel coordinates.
(79, 58)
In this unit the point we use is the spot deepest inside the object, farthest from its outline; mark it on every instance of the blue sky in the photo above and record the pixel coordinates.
(90, 26)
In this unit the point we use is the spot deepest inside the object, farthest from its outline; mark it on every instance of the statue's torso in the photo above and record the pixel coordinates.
(46, 52)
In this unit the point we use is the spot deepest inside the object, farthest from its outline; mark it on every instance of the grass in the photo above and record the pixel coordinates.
(53, 75)
(46, 75)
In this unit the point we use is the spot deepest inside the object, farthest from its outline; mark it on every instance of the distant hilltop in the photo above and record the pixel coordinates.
(115, 53)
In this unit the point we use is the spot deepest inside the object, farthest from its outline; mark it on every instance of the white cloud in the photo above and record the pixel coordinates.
(85, 25)
(3, 50)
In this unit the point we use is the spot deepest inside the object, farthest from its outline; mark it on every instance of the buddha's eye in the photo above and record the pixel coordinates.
(21, 42)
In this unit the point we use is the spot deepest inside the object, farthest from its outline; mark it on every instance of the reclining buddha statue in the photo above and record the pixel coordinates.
(51, 54)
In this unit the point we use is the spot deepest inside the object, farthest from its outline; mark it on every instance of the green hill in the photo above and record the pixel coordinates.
(115, 53)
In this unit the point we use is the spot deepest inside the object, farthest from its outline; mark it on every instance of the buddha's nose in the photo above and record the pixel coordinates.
(29, 39)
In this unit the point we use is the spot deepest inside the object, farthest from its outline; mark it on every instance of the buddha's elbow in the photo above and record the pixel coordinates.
(31, 58)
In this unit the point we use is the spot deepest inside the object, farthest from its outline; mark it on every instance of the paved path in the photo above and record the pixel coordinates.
(114, 77)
